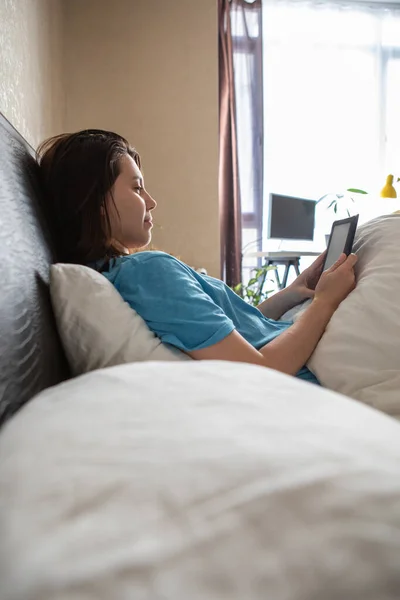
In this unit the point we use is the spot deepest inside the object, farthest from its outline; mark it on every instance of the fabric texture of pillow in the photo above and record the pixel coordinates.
(97, 327)
(359, 354)
(199, 481)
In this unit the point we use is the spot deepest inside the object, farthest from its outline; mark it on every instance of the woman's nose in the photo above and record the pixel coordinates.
(150, 202)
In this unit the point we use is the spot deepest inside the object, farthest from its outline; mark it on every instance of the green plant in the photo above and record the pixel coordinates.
(252, 292)
(337, 198)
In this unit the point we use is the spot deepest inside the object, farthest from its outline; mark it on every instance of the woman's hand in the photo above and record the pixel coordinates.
(301, 289)
(337, 282)
(331, 286)
(304, 286)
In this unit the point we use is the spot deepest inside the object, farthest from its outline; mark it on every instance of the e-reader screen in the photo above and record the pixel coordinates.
(337, 244)
(341, 240)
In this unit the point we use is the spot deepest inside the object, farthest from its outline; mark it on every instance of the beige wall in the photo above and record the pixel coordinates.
(31, 87)
(148, 69)
(144, 68)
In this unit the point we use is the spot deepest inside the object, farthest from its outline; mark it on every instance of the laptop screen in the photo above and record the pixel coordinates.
(291, 218)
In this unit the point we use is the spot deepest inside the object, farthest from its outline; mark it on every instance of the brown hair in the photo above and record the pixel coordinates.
(78, 170)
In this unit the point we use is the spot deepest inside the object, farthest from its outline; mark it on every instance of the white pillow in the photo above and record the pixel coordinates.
(97, 327)
(359, 354)
(204, 480)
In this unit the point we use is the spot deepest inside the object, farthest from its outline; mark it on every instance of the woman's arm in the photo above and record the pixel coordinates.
(291, 350)
(276, 306)
(301, 289)
(287, 353)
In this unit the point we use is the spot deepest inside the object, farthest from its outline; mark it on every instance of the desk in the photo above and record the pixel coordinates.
(284, 257)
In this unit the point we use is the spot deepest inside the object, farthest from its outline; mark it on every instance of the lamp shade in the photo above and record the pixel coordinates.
(388, 190)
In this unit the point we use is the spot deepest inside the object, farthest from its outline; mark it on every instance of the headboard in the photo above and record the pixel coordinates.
(31, 357)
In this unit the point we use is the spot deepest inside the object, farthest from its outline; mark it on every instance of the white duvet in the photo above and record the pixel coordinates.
(189, 481)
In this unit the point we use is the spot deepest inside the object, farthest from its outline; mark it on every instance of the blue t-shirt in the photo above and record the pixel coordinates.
(186, 309)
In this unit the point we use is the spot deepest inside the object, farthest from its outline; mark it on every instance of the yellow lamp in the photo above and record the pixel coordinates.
(388, 190)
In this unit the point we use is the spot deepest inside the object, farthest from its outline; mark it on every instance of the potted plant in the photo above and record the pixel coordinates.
(341, 204)
(253, 291)
(342, 200)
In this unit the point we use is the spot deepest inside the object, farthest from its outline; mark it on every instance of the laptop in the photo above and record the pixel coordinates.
(291, 224)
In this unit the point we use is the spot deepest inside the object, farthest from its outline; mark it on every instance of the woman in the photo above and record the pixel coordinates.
(101, 211)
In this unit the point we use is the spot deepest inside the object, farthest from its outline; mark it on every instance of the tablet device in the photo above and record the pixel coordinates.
(341, 240)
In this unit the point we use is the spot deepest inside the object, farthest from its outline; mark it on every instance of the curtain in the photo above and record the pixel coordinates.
(240, 125)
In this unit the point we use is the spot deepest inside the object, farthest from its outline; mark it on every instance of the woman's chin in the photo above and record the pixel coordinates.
(140, 244)
(148, 241)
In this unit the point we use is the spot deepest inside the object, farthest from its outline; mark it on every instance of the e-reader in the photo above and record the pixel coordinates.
(341, 240)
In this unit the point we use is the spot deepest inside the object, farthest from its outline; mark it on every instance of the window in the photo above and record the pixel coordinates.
(331, 97)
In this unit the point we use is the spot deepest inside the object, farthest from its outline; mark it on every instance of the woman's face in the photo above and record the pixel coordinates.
(132, 228)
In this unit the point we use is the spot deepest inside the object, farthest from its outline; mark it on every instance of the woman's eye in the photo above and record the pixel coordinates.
(138, 189)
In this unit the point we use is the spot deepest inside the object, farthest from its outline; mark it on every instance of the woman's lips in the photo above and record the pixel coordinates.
(149, 223)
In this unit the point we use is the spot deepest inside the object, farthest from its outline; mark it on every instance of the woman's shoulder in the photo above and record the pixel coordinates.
(150, 262)
(149, 269)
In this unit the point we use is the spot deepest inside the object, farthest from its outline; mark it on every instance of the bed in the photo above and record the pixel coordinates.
(155, 480)
(31, 357)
